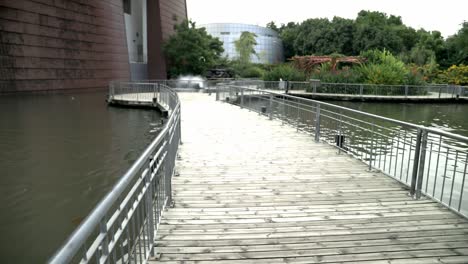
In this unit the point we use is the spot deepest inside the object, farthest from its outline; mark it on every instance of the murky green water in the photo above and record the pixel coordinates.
(59, 154)
(449, 117)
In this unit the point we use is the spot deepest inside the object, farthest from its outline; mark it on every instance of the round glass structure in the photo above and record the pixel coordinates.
(269, 46)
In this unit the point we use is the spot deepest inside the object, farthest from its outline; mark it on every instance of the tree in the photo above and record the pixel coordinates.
(272, 25)
(457, 47)
(375, 30)
(245, 46)
(191, 50)
(288, 34)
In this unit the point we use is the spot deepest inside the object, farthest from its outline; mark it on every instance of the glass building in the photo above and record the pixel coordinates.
(269, 47)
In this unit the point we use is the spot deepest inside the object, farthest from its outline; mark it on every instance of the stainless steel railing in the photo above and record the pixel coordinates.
(317, 87)
(122, 227)
(429, 161)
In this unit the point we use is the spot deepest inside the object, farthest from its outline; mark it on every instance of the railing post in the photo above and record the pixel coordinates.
(168, 170)
(372, 147)
(416, 162)
(361, 90)
(317, 123)
(105, 242)
(270, 108)
(422, 162)
(242, 98)
(406, 90)
(149, 206)
(217, 92)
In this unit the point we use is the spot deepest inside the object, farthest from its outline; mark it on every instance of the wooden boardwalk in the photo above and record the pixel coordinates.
(251, 190)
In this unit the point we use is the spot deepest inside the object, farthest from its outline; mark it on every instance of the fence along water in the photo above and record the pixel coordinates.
(429, 161)
(122, 227)
(440, 91)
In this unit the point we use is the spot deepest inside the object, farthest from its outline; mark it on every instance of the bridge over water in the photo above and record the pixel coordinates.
(269, 178)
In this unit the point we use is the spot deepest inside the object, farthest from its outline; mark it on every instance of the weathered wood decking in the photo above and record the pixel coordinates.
(251, 190)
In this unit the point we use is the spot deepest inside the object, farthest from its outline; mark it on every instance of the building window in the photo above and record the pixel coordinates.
(225, 33)
(127, 6)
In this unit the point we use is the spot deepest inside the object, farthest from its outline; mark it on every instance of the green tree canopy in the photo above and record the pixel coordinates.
(191, 50)
(457, 47)
(245, 46)
(373, 30)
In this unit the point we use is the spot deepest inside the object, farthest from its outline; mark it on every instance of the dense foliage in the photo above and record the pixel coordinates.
(457, 75)
(284, 72)
(191, 50)
(373, 30)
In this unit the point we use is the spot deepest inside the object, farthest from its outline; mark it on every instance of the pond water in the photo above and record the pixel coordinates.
(59, 155)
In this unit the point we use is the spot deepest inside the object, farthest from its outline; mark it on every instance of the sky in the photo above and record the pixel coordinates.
(444, 16)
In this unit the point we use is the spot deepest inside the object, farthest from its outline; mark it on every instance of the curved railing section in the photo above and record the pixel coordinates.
(122, 227)
(429, 161)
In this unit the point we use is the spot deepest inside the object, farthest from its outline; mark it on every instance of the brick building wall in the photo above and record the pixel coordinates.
(61, 44)
(162, 16)
(172, 12)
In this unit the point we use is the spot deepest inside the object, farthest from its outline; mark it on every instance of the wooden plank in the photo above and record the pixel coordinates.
(253, 190)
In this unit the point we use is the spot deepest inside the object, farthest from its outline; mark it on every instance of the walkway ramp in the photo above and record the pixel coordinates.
(252, 190)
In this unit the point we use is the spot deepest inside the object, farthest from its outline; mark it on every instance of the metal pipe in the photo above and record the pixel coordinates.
(317, 123)
(416, 162)
(422, 161)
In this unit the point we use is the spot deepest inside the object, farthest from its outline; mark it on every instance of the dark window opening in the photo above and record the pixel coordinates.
(127, 6)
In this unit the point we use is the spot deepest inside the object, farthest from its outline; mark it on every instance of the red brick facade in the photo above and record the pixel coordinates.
(61, 44)
(172, 12)
(162, 16)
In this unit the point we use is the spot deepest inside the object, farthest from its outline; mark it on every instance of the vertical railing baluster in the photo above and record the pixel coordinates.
(417, 153)
(428, 168)
(149, 204)
(453, 176)
(105, 241)
(297, 116)
(422, 162)
(463, 184)
(445, 175)
(242, 98)
(270, 109)
(372, 146)
(396, 154)
(403, 155)
(317, 123)
(437, 167)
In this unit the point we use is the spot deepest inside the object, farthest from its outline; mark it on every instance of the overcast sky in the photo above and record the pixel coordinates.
(444, 16)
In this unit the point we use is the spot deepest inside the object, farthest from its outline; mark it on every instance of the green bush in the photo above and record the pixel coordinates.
(284, 72)
(252, 72)
(382, 68)
(455, 75)
(345, 75)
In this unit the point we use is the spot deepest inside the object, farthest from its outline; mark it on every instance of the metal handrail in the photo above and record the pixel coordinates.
(403, 123)
(412, 154)
(121, 228)
(441, 91)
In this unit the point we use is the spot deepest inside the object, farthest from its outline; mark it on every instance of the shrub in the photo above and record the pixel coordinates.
(285, 72)
(457, 75)
(382, 68)
(345, 75)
